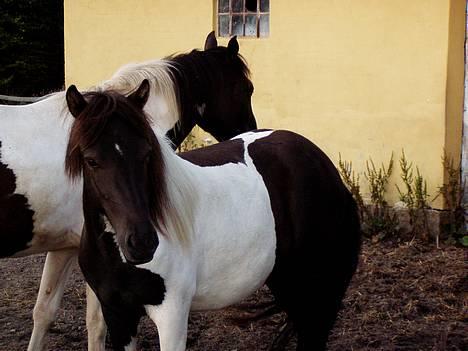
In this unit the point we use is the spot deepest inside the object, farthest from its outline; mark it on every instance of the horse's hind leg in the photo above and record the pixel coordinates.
(312, 314)
(56, 271)
(313, 329)
(282, 339)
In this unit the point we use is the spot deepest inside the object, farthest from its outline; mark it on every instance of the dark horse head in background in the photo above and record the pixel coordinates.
(107, 141)
(214, 86)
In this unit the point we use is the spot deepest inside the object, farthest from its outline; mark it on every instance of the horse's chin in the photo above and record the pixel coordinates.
(137, 260)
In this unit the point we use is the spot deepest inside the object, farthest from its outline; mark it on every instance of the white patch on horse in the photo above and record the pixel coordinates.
(124, 260)
(132, 346)
(249, 138)
(119, 149)
(109, 228)
(201, 109)
(107, 225)
(248, 246)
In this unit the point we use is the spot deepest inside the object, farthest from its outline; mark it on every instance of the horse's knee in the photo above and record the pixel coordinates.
(44, 314)
(43, 317)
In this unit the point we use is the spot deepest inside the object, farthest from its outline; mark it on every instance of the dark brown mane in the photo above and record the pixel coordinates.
(102, 108)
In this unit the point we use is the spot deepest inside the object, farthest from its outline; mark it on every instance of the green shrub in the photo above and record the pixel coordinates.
(452, 193)
(414, 196)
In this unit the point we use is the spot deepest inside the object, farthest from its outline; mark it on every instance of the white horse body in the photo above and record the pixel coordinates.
(34, 139)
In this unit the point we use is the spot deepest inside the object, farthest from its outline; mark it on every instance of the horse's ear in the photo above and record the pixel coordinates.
(211, 41)
(233, 45)
(75, 101)
(140, 96)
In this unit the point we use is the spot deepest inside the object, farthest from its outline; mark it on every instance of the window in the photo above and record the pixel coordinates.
(244, 18)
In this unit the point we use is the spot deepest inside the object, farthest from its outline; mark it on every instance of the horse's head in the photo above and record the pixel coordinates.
(229, 111)
(112, 145)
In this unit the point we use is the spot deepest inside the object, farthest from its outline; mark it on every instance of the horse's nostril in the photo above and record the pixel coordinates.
(130, 242)
(142, 243)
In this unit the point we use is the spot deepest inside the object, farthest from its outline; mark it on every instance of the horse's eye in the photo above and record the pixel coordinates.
(147, 157)
(91, 162)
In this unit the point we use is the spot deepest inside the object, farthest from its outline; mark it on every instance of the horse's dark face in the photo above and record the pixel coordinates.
(117, 166)
(229, 111)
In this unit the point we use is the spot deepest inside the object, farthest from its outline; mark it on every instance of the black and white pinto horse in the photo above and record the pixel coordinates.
(40, 210)
(165, 233)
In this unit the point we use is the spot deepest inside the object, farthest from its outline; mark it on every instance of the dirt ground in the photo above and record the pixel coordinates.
(403, 297)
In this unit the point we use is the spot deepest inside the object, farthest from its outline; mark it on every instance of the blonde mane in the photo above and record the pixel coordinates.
(181, 193)
(158, 72)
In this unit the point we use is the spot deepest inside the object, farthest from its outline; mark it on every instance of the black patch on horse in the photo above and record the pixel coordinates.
(16, 218)
(122, 288)
(316, 219)
(231, 151)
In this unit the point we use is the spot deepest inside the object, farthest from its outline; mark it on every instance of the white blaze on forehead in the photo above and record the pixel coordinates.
(119, 149)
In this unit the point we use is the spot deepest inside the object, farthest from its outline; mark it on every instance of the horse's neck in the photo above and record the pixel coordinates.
(163, 118)
(192, 84)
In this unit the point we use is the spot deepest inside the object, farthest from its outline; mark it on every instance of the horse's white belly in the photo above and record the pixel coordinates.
(237, 240)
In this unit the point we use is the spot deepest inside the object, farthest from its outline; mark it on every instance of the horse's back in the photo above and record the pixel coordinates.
(298, 174)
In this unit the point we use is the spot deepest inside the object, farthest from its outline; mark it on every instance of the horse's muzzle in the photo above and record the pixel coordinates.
(140, 247)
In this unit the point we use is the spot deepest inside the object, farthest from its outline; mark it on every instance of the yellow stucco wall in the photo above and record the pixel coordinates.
(358, 77)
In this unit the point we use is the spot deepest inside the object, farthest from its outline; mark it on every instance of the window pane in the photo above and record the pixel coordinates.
(264, 5)
(264, 27)
(237, 5)
(223, 6)
(237, 25)
(251, 5)
(251, 26)
(223, 23)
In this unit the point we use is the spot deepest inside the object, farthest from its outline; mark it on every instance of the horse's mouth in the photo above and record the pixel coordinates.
(137, 258)
(138, 261)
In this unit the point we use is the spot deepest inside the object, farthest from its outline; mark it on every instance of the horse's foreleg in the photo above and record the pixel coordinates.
(95, 323)
(57, 269)
(171, 319)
